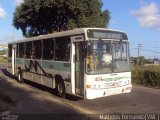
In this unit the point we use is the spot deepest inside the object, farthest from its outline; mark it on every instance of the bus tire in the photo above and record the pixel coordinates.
(20, 77)
(60, 89)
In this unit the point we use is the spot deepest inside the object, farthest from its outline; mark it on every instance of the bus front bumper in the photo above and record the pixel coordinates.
(92, 93)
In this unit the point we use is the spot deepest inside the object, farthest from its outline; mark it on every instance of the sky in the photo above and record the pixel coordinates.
(140, 19)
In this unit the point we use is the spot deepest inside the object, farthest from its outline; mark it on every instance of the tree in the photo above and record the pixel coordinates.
(39, 17)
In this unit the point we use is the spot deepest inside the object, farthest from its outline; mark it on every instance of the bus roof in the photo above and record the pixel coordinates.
(73, 32)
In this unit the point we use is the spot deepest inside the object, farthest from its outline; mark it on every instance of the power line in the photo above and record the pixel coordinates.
(145, 50)
(150, 47)
(133, 48)
(150, 51)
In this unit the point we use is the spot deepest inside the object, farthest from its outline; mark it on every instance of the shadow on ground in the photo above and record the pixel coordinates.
(32, 101)
(6, 101)
(41, 87)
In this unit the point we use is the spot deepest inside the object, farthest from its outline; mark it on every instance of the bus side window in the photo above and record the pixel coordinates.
(48, 49)
(28, 50)
(62, 50)
(37, 50)
(21, 50)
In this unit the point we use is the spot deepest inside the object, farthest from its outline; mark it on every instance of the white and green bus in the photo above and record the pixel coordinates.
(86, 62)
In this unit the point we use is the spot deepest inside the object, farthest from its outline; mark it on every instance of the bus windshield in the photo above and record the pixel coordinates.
(107, 57)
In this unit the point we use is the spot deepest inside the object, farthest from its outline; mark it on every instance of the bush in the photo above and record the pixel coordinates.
(148, 76)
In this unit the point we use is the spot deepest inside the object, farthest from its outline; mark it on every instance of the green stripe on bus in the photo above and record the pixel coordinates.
(61, 66)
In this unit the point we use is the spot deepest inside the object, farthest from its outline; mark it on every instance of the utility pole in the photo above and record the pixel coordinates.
(139, 46)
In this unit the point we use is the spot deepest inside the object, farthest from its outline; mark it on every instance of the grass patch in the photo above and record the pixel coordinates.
(3, 60)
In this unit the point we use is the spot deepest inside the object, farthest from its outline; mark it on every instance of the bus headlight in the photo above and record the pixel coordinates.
(88, 86)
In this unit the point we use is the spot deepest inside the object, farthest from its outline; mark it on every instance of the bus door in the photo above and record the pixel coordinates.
(77, 68)
(13, 59)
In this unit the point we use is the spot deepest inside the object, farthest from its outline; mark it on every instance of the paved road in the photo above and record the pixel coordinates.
(30, 99)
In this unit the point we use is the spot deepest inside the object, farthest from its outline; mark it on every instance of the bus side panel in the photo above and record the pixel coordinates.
(27, 70)
(47, 81)
(32, 70)
(50, 69)
(39, 72)
(47, 74)
(36, 70)
(19, 64)
(64, 70)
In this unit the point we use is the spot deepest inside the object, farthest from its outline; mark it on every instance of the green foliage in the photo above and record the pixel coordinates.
(142, 60)
(153, 76)
(3, 60)
(38, 17)
(148, 76)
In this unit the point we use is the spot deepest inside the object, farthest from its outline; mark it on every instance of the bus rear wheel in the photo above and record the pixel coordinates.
(20, 78)
(60, 89)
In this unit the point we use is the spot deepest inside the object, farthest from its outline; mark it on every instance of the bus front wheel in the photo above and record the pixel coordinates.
(20, 78)
(60, 89)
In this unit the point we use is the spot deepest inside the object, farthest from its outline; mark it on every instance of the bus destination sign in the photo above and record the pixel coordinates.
(106, 34)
